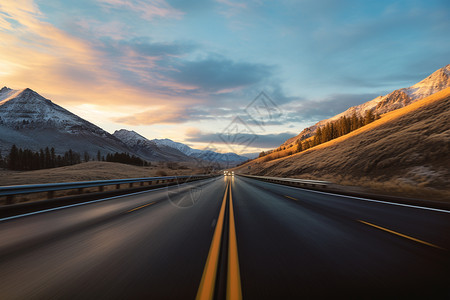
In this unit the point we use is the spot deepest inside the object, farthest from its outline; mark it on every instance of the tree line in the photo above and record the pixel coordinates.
(328, 132)
(126, 158)
(25, 159)
(20, 159)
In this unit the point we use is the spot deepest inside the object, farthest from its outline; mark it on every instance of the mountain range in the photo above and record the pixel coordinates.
(31, 121)
(404, 152)
(434, 83)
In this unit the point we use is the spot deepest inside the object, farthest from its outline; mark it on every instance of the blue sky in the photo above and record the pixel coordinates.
(185, 69)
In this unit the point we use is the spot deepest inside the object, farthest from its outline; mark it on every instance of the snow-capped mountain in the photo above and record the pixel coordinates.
(436, 82)
(176, 145)
(31, 121)
(148, 149)
(161, 149)
(228, 159)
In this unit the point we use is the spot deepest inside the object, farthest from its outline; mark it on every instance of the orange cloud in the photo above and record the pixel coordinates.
(156, 115)
(69, 69)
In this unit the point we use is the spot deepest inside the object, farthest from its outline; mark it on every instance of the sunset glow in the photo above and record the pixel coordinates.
(185, 69)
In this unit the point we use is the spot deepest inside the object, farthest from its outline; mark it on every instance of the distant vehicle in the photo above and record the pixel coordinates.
(228, 173)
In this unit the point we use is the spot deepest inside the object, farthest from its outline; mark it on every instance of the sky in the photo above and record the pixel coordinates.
(201, 71)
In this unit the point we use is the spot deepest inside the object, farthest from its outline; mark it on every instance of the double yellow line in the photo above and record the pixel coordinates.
(208, 281)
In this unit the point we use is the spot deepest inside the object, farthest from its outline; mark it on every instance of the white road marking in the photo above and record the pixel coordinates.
(359, 198)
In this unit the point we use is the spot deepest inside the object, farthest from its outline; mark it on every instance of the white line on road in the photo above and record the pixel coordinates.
(364, 199)
(79, 204)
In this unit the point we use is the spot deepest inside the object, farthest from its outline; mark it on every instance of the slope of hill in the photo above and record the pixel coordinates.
(148, 149)
(93, 170)
(225, 159)
(436, 82)
(31, 121)
(407, 151)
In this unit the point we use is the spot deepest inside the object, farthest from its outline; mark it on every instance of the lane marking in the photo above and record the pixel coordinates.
(83, 203)
(141, 207)
(208, 281)
(402, 235)
(234, 291)
(291, 198)
(359, 198)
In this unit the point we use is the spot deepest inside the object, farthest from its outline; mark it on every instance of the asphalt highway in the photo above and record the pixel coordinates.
(227, 238)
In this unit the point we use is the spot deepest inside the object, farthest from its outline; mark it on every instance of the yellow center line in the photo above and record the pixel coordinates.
(291, 198)
(402, 235)
(140, 207)
(234, 279)
(208, 281)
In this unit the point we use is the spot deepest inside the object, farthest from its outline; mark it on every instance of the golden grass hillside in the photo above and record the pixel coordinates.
(93, 170)
(405, 152)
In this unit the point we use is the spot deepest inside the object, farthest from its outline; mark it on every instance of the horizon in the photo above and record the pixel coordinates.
(166, 69)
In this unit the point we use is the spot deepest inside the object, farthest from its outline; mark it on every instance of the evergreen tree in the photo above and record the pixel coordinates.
(47, 163)
(86, 156)
(52, 158)
(369, 117)
(13, 158)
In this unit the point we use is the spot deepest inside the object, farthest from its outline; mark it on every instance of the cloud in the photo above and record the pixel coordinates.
(148, 10)
(156, 115)
(219, 74)
(145, 47)
(261, 141)
(327, 107)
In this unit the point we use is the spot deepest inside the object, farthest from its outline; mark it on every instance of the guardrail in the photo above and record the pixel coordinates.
(11, 191)
(291, 181)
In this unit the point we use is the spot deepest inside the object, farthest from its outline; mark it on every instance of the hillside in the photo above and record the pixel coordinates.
(147, 149)
(31, 121)
(406, 151)
(439, 80)
(93, 170)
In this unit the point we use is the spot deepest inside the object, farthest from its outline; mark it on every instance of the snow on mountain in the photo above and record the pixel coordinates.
(206, 155)
(31, 121)
(148, 149)
(179, 146)
(159, 148)
(130, 137)
(26, 108)
(434, 83)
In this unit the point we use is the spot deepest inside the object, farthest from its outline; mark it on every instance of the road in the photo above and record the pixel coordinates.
(227, 237)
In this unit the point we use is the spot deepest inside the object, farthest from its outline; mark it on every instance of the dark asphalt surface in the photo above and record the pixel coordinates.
(292, 244)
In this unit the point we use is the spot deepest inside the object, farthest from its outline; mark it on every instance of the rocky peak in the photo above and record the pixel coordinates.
(5, 89)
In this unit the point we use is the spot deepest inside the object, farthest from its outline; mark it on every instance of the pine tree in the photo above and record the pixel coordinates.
(369, 117)
(48, 158)
(52, 158)
(13, 158)
(99, 155)
(86, 156)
